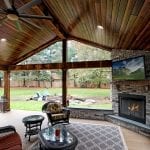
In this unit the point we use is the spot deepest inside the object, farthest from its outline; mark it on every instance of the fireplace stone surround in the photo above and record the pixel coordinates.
(140, 88)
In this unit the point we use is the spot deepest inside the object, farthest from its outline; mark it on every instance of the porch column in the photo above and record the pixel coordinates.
(7, 90)
(64, 72)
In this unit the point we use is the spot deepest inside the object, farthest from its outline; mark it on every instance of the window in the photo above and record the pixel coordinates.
(89, 88)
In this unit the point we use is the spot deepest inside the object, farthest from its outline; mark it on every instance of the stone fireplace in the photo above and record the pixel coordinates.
(131, 98)
(132, 107)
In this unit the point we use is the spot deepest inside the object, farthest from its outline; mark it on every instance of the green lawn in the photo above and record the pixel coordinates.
(26, 105)
(20, 95)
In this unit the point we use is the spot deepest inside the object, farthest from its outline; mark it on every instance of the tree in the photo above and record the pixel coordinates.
(1, 77)
(81, 52)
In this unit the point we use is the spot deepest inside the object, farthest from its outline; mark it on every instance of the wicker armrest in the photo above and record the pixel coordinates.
(48, 112)
(7, 129)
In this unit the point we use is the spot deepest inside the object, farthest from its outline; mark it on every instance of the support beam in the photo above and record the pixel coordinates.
(64, 72)
(89, 64)
(7, 90)
(65, 65)
(36, 67)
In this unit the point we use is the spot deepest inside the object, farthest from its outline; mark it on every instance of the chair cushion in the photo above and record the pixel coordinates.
(54, 108)
(10, 142)
(58, 116)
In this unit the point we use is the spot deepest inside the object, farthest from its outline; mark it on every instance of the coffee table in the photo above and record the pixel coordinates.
(48, 139)
(33, 124)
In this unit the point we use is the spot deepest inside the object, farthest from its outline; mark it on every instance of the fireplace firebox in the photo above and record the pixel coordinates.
(132, 107)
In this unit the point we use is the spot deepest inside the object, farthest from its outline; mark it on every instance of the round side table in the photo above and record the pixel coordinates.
(33, 124)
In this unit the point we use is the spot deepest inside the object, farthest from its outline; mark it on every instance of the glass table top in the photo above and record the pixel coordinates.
(64, 137)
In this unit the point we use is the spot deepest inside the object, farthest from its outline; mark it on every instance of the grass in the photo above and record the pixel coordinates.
(78, 92)
(20, 95)
(27, 105)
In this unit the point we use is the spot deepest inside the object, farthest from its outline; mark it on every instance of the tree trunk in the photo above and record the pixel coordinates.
(0, 82)
(99, 84)
(24, 80)
(75, 84)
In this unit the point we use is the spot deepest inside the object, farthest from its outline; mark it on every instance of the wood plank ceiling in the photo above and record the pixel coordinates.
(126, 25)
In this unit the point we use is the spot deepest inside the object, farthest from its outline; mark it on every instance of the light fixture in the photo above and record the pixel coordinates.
(100, 27)
(13, 17)
(3, 40)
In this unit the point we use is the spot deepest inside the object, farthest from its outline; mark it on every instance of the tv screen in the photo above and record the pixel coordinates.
(129, 69)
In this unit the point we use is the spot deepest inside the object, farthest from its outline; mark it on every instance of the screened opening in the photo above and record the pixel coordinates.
(89, 88)
(80, 52)
(52, 54)
(31, 89)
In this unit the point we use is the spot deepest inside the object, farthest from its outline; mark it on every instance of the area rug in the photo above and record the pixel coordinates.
(95, 137)
(98, 137)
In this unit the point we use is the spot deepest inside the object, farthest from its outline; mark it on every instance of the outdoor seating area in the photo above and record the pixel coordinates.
(134, 141)
(74, 75)
(56, 113)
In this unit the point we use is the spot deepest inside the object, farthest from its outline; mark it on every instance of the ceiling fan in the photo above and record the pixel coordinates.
(15, 14)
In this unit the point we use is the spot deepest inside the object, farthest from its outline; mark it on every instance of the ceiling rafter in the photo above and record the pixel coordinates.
(52, 24)
(125, 26)
(89, 43)
(55, 21)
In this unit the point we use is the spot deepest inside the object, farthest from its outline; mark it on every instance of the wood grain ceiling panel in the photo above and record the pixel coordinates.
(137, 24)
(120, 19)
(126, 26)
(22, 41)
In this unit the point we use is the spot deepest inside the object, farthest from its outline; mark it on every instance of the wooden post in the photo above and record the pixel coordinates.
(64, 73)
(7, 90)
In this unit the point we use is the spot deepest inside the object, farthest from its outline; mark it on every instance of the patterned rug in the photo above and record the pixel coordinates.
(98, 137)
(95, 137)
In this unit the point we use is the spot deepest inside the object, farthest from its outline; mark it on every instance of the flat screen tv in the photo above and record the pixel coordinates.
(129, 69)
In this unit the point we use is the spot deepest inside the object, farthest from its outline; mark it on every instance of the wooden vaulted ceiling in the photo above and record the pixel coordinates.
(126, 25)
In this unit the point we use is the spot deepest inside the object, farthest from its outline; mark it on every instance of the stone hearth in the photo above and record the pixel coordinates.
(130, 124)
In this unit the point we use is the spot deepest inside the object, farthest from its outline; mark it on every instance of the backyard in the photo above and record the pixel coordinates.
(93, 98)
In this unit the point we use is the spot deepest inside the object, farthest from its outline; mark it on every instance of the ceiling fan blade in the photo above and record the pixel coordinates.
(7, 3)
(28, 5)
(18, 26)
(2, 11)
(3, 20)
(35, 16)
(31, 23)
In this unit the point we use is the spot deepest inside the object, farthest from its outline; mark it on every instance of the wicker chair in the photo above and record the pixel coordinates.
(56, 113)
(9, 139)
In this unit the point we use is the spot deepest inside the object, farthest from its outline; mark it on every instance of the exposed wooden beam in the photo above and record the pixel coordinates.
(89, 64)
(35, 67)
(64, 72)
(78, 19)
(67, 65)
(89, 43)
(55, 21)
(54, 40)
(51, 23)
(7, 90)
(2, 67)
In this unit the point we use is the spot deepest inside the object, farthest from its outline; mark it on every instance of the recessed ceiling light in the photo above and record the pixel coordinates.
(3, 40)
(100, 27)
